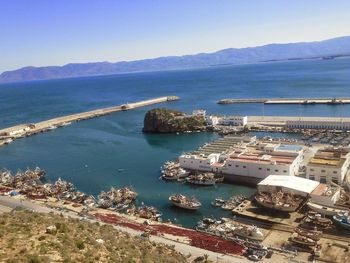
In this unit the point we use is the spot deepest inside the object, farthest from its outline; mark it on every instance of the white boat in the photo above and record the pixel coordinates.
(66, 123)
(185, 202)
(325, 210)
(8, 141)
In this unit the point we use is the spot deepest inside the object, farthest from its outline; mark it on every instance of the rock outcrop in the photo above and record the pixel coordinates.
(162, 120)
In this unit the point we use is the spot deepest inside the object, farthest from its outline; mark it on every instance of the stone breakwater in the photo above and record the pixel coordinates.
(7, 135)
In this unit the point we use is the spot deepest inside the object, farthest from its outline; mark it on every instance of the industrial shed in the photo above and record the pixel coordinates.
(288, 184)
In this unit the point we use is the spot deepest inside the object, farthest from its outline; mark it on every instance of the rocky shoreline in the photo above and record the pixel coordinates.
(161, 120)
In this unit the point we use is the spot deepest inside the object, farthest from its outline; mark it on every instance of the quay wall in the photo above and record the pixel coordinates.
(330, 101)
(284, 119)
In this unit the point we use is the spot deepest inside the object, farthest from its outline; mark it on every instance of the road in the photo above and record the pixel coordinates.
(9, 203)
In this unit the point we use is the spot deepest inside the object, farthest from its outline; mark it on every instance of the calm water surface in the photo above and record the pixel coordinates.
(89, 153)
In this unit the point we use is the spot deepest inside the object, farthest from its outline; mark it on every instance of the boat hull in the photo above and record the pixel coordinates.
(324, 210)
(185, 206)
(277, 207)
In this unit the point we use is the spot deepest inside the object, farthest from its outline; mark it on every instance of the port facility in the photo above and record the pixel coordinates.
(305, 101)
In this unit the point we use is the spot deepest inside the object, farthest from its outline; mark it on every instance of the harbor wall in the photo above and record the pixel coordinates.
(24, 130)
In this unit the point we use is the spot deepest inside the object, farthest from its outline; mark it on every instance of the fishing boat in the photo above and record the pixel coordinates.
(218, 202)
(313, 234)
(251, 232)
(303, 240)
(185, 202)
(342, 219)
(279, 201)
(324, 210)
(201, 179)
(314, 219)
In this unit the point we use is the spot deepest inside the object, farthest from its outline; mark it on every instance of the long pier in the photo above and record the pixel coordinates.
(303, 101)
(9, 134)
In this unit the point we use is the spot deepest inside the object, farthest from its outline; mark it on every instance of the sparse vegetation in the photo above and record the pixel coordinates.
(25, 239)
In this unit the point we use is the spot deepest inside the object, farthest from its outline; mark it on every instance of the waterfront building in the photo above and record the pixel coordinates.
(328, 165)
(234, 121)
(248, 162)
(318, 123)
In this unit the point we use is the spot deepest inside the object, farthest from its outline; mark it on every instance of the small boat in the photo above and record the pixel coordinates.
(342, 219)
(324, 210)
(185, 202)
(218, 202)
(201, 179)
(302, 240)
(314, 219)
(66, 123)
(313, 234)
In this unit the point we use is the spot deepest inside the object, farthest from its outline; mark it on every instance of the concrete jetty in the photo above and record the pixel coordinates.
(9, 134)
(303, 101)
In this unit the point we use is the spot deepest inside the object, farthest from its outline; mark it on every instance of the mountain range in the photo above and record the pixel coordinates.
(328, 48)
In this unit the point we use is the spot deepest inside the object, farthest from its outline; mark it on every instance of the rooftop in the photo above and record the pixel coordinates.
(262, 158)
(291, 182)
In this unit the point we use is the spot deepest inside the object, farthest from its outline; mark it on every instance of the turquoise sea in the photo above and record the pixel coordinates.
(89, 153)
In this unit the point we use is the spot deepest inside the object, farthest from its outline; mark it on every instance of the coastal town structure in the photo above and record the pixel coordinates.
(250, 160)
(318, 124)
(328, 165)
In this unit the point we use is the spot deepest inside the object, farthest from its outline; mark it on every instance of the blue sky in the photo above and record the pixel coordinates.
(57, 32)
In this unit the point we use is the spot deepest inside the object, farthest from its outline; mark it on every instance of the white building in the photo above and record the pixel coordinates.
(198, 162)
(288, 184)
(328, 165)
(252, 161)
(212, 120)
(234, 121)
(319, 124)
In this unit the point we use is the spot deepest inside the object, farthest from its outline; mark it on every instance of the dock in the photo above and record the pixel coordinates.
(302, 101)
(9, 134)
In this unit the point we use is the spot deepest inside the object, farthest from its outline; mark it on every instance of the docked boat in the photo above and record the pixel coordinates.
(325, 210)
(342, 219)
(185, 202)
(279, 201)
(201, 179)
(218, 202)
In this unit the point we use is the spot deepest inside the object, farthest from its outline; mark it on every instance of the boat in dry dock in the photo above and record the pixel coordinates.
(279, 201)
(312, 234)
(302, 240)
(228, 228)
(314, 219)
(185, 202)
(147, 212)
(325, 210)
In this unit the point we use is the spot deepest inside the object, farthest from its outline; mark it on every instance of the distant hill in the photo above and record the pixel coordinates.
(332, 47)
